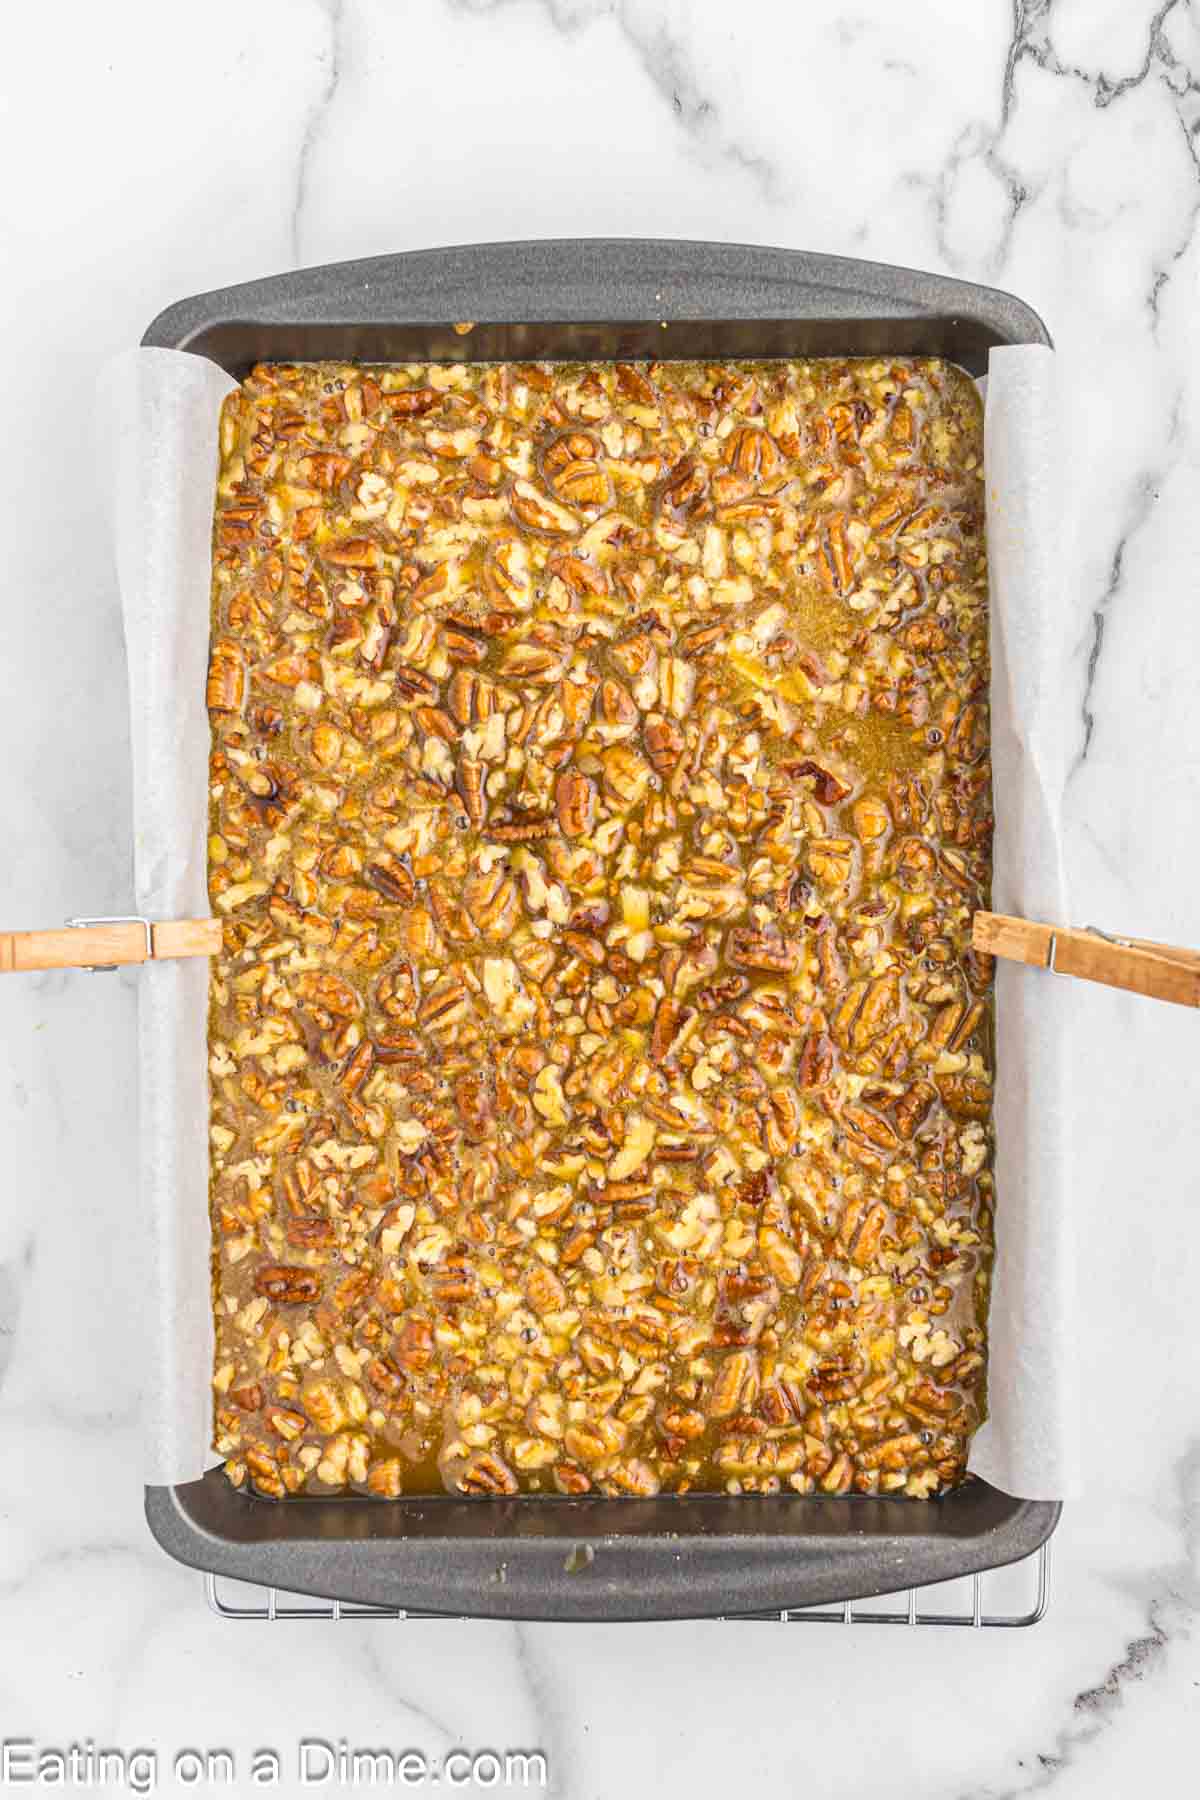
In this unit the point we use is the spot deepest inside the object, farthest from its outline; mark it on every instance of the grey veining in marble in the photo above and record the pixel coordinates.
(1050, 146)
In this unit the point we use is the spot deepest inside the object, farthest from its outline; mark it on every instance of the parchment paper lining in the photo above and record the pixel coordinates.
(159, 415)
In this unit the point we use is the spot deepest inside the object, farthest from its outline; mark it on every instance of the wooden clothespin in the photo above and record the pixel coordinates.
(107, 943)
(1159, 971)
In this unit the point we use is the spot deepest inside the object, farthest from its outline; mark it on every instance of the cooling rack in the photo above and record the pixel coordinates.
(997, 1599)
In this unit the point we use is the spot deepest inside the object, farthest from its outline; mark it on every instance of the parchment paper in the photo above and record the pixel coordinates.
(1028, 1444)
(159, 415)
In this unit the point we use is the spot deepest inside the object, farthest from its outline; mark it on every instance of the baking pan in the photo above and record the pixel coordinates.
(594, 1558)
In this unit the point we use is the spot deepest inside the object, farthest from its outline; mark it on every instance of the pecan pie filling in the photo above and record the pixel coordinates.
(601, 1073)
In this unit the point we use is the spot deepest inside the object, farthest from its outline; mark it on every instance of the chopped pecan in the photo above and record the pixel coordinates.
(575, 797)
(389, 877)
(291, 1286)
(600, 1067)
(747, 949)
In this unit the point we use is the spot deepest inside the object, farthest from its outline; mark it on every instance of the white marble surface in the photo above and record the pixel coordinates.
(1050, 147)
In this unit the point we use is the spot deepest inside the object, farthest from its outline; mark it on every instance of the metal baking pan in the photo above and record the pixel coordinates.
(595, 1558)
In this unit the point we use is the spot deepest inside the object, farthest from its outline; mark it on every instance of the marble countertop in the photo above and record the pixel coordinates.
(1051, 147)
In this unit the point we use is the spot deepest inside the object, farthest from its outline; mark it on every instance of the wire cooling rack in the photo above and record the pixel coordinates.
(1003, 1599)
